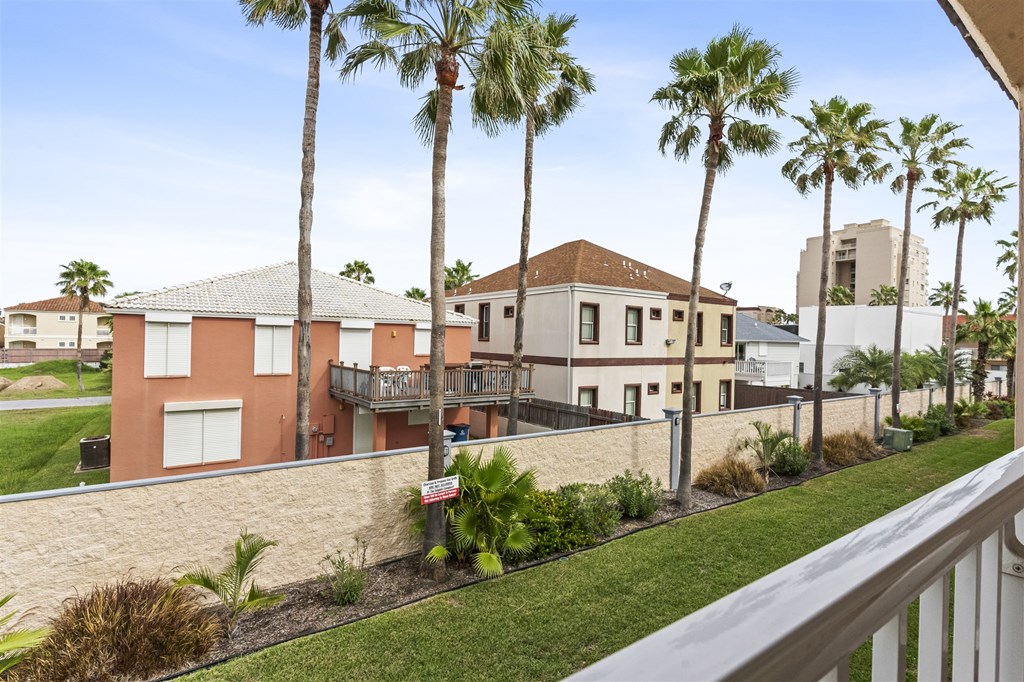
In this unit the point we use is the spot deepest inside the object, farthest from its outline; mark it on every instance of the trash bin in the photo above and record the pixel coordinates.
(461, 432)
(94, 452)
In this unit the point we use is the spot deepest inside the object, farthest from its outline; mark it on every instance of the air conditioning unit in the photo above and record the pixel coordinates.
(899, 440)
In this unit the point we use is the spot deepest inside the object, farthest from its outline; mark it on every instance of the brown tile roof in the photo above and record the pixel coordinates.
(61, 304)
(581, 262)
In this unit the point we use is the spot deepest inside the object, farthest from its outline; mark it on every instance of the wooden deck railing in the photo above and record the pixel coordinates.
(382, 385)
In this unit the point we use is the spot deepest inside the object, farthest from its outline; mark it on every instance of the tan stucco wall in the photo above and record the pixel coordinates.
(50, 330)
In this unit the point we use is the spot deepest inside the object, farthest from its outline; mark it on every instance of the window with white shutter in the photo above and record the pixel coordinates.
(202, 432)
(421, 344)
(168, 349)
(273, 348)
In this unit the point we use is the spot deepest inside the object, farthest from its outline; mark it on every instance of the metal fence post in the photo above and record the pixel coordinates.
(999, 387)
(931, 384)
(795, 401)
(674, 413)
(877, 392)
(448, 436)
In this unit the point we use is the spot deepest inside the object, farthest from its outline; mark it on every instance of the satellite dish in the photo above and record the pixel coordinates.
(725, 287)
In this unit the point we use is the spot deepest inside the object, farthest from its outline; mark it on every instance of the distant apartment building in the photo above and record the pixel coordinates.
(761, 313)
(606, 331)
(862, 257)
(53, 324)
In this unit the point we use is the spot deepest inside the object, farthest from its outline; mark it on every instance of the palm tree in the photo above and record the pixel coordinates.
(885, 294)
(942, 295)
(416, 36)
(1008, 257)
(1008, 298)
(840, 140)
(967, 195)
(923, 146)
(85, 280)
(986, 327)
(734, 74)
(359, 270)
(459, 274)
(871, 366)
(838, 295)
(1006, 347)
(552, 86)
(415, 293)
(292, 14)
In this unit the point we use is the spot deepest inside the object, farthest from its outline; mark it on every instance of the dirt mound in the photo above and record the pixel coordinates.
(45, 383)
(4, 383)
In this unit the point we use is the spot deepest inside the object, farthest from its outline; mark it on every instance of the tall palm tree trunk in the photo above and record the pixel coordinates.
(817, 429)
(524, 256)
(954, 311)
(901, 293)
(447, 75)
(683, 493)
(305, 300)
(980, 372)
(83, 306)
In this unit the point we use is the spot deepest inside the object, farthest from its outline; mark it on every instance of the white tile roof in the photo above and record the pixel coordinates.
(272, 291)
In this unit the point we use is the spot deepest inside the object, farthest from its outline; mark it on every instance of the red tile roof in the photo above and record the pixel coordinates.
(581, 262)
(61, 304)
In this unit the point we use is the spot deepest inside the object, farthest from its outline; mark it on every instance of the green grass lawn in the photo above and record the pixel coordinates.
(96, 382)
(39, 448)
(550, 621)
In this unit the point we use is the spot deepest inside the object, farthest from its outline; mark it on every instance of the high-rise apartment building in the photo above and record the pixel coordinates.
(862, 257)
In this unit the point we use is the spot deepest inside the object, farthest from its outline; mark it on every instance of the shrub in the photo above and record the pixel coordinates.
(731, 477)
(129, 630)
(555, 524)
(846, 448)
(765, 444)
(923, 430)
(596, 506)
(790, 459)
(964, 410)
(937, 415)
(344, 577)
(15, 643)
(234, 585)
(638, 496)
(999, 408)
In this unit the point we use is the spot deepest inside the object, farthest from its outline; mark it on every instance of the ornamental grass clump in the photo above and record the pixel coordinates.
(847, 448)
(133, 629)
(731, 476)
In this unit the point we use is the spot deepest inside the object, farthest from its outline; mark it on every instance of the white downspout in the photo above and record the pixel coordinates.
(568, 348)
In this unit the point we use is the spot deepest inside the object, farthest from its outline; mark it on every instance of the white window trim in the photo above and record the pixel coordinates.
(202, 406)
(275, 323)
(170, 318)
(421, 345)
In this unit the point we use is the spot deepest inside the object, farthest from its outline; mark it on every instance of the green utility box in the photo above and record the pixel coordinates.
(897, 439)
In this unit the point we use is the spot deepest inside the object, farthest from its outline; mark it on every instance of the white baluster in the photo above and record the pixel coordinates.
(965, 617)
(933, 631)
(889, 650)
(988, 606)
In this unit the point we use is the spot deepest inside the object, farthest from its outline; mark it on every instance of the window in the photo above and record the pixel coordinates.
(510, 311)
(484, 330)
(61, 344)
(655, 313)
(168, 349)
(724, 395)
(695, 398)
(587, 396)
(678, 315)
(71, 344)
(700, 329)
(653, 388)
(726, 330)
(421, 339)
(677, 387)
(460, 308)
(634, 326)
(273, 354)
(590, 323)
(72, 318)
(202, 432)
(631, 400)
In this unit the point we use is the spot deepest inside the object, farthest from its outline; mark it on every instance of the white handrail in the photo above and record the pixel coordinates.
(803, 621)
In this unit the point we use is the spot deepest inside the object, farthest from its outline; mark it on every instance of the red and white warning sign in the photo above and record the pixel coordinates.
(439, 489)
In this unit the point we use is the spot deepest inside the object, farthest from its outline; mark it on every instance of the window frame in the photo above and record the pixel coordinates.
(639, 325)
(595, 324)
(203, 407)
(509, 311)
(653, 388)
(636, 402)
(727, 384)
(695, 397)
(166, 321)
(677, 387)
(726, 330)
(274, 325)
(655, 313)
(700, 330)
(579, 396)
(483, 330)
(678, 315)
(460, 308)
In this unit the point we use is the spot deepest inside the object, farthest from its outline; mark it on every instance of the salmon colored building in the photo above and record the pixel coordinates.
(205, 373)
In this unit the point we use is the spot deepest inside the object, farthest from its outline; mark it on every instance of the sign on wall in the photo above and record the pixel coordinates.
(439, 489)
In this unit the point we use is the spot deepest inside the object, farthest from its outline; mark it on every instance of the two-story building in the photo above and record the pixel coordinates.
(205, 373)
(766, 355)
(604, 330)
(53, 324)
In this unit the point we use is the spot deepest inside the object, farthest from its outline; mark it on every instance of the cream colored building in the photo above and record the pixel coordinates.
(862, 257)
(53, 324)
(605, 331)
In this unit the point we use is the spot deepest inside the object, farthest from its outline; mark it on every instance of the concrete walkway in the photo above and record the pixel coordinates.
(53, 402)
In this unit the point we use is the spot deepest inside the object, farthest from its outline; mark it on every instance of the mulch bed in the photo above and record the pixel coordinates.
(307, 609)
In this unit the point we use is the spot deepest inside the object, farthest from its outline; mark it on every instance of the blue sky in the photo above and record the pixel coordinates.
(161, 140)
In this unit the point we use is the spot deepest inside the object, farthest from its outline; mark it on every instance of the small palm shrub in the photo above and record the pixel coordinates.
(133, 629)
(486, 522)
(776, 452)
(936, 414)
(595, 505)
(789, 458)
(344, 576)
(15, 643)
(556, 524)
(730, 476)
(637, 495)
(964, 410)
(846, 448)
(235, 585)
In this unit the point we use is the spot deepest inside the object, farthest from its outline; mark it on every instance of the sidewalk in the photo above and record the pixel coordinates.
(53, 402)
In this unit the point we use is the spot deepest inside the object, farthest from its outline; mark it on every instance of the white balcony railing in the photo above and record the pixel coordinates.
(803, 621)
(103, 332)
(21, 331)
(764, 369)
